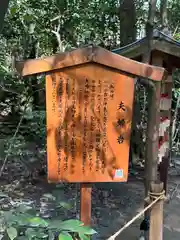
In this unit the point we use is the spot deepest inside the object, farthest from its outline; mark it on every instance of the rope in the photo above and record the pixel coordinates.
(156, 197)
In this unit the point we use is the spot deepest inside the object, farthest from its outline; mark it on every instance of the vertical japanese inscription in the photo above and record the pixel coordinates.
(53, 93)
(105, 118)
(66, 128)
(111, 88)
(73, 126)
(98, 134)
(92, 127)
(59, 129)
(121, 122)
(86, 98)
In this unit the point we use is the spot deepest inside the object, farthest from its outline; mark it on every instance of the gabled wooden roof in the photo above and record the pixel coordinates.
(90, 54)
(161, 42)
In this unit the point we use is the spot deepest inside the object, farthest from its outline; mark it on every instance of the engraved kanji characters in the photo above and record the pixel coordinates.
(122, 106)
(121, 122)
(73, 126)
(120, 139)
(86, 98)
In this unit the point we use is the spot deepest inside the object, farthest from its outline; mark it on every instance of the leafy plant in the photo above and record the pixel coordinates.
(20, 224)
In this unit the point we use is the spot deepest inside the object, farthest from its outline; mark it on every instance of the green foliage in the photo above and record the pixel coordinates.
(177, 36)
(12, 233)
(65, 236)
(25, 221)
(20, 223)
(174, 15)
(38, 28)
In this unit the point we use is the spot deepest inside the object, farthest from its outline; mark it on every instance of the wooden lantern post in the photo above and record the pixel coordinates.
(89, 99)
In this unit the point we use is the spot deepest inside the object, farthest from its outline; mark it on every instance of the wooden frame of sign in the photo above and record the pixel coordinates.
(89, 101)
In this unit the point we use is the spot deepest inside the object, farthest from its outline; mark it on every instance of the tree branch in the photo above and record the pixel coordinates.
(58, 36)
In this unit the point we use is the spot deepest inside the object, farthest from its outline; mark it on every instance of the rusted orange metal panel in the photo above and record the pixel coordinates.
(89, 113)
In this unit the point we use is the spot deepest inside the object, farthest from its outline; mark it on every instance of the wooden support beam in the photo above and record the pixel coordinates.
(151, 161)
(151, 156)
(85, 203)
(156, 213)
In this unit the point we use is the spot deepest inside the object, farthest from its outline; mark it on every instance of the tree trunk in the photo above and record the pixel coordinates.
(164, 17)
(33, 83)
(127, 16)
(3, 9)
(149, 29)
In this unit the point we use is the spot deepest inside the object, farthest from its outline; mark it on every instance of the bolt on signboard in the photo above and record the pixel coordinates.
(89, 101)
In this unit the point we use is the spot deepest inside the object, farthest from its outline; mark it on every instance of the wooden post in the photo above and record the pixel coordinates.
(85, 203)
(164, 165)
(151, 156)
(156, 214)
(164, 171)
(151, 161)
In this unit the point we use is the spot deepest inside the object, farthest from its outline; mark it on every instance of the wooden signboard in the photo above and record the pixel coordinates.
(89, 113)
(89, 99)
